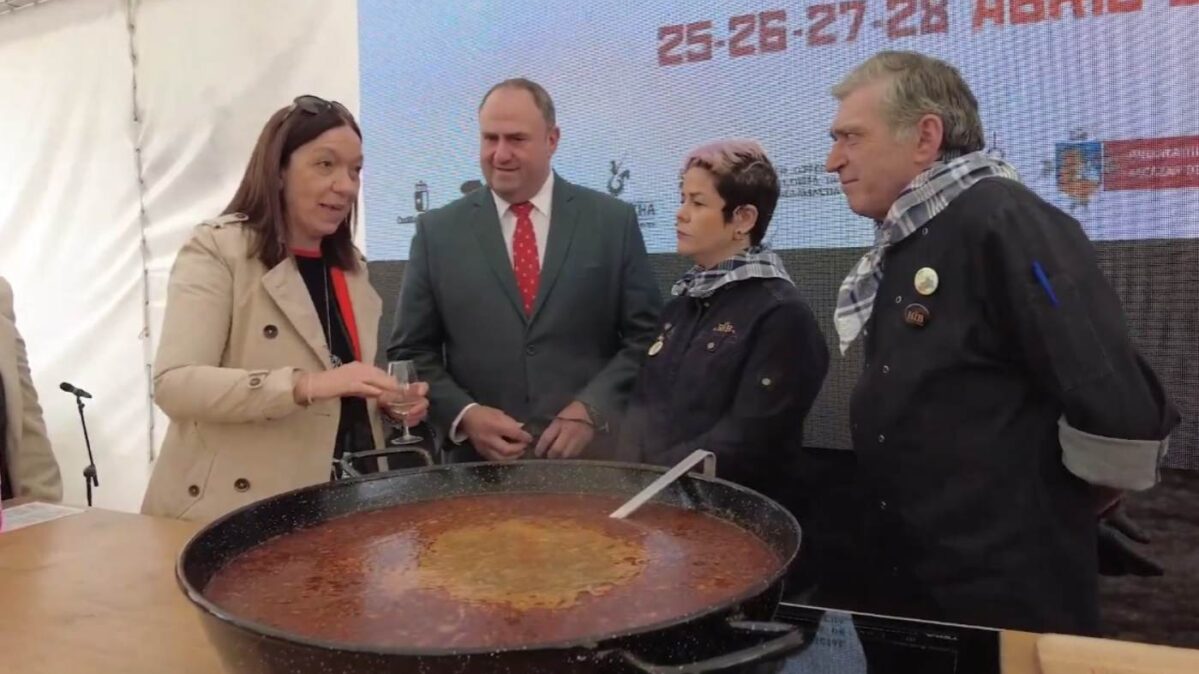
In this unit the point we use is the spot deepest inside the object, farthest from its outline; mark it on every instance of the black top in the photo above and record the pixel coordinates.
(736, 374)
(353, 428)
(967, 513)
(6, 491)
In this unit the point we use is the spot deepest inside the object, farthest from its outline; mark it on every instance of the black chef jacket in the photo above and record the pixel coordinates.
(966, 509)
(736, 374)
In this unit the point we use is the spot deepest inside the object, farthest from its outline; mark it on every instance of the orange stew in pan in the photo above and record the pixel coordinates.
(492, 571)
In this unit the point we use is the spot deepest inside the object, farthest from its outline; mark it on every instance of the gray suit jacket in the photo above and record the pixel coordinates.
(460, 316)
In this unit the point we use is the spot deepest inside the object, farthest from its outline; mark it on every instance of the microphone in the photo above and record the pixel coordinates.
(74, 391)
(91, 478)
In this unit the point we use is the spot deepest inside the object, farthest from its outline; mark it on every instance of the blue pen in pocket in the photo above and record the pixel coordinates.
(1039, 272)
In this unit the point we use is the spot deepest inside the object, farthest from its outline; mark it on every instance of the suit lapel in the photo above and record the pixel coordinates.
(491, 242)
(286, 287)
(564, 217)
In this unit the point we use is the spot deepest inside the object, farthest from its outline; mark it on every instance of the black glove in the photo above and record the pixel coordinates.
(1118, 556)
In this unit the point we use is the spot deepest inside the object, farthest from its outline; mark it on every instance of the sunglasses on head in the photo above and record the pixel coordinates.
(315, 105)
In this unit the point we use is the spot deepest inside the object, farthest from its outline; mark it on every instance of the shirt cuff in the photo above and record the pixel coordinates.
(1111, 462)
(456, 437)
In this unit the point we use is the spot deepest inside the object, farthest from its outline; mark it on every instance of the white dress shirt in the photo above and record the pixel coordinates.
(542, 202)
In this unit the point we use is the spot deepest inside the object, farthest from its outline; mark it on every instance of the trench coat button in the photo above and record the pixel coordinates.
(530, 350)
(270, 332)
(886, 369)
(882, 439)
(193, 490)
(882, 505)
(767, 381)
(241, 484)
(711, 346)
(255, 381)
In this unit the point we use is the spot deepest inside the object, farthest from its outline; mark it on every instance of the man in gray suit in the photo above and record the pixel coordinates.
(529, 304)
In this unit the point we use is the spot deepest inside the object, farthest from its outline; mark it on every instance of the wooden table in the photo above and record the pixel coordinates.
(96, 592)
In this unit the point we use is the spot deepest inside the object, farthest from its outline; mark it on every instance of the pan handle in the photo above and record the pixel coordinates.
(782, 640)
(346, 462)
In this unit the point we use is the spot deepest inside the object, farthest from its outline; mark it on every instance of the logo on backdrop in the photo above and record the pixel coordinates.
(619, 177)
(420, 196)
(804, 181)
(994, 148)
(420, 202)
(1082, 167)
(1077, 168)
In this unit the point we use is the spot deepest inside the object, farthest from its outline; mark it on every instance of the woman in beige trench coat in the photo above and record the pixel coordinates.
(265, 362)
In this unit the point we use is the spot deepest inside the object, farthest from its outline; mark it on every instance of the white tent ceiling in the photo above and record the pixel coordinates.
(10, 6)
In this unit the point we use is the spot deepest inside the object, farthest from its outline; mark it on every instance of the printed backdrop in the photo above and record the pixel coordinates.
(1092, 100)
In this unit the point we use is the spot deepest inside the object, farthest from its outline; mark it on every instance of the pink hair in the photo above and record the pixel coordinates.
(722, 156)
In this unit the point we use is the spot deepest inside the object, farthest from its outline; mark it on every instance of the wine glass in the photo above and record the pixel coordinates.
(404, 372)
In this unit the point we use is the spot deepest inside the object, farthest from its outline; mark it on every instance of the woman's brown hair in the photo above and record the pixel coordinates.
(260, 194)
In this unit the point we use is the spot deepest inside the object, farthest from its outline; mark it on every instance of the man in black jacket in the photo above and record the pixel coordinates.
(1002, 405)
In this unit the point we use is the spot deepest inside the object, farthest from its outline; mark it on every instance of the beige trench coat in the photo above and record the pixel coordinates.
(234, 338)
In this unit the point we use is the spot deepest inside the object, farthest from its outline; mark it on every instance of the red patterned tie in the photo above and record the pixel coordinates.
(524, 256)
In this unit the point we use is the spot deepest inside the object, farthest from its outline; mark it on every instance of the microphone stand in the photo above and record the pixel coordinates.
(90, 476)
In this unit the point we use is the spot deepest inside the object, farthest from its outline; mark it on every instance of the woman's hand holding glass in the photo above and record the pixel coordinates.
(411, 404)
(399, 401)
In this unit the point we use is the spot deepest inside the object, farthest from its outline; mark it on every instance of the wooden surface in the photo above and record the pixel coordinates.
(96, 592)
(1018, 653)
(1061, 654)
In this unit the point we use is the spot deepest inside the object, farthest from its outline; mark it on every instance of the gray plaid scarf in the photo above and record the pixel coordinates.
(753, 262)
(923, 199)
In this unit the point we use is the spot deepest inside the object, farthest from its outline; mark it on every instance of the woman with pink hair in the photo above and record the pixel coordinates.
(739, 358)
